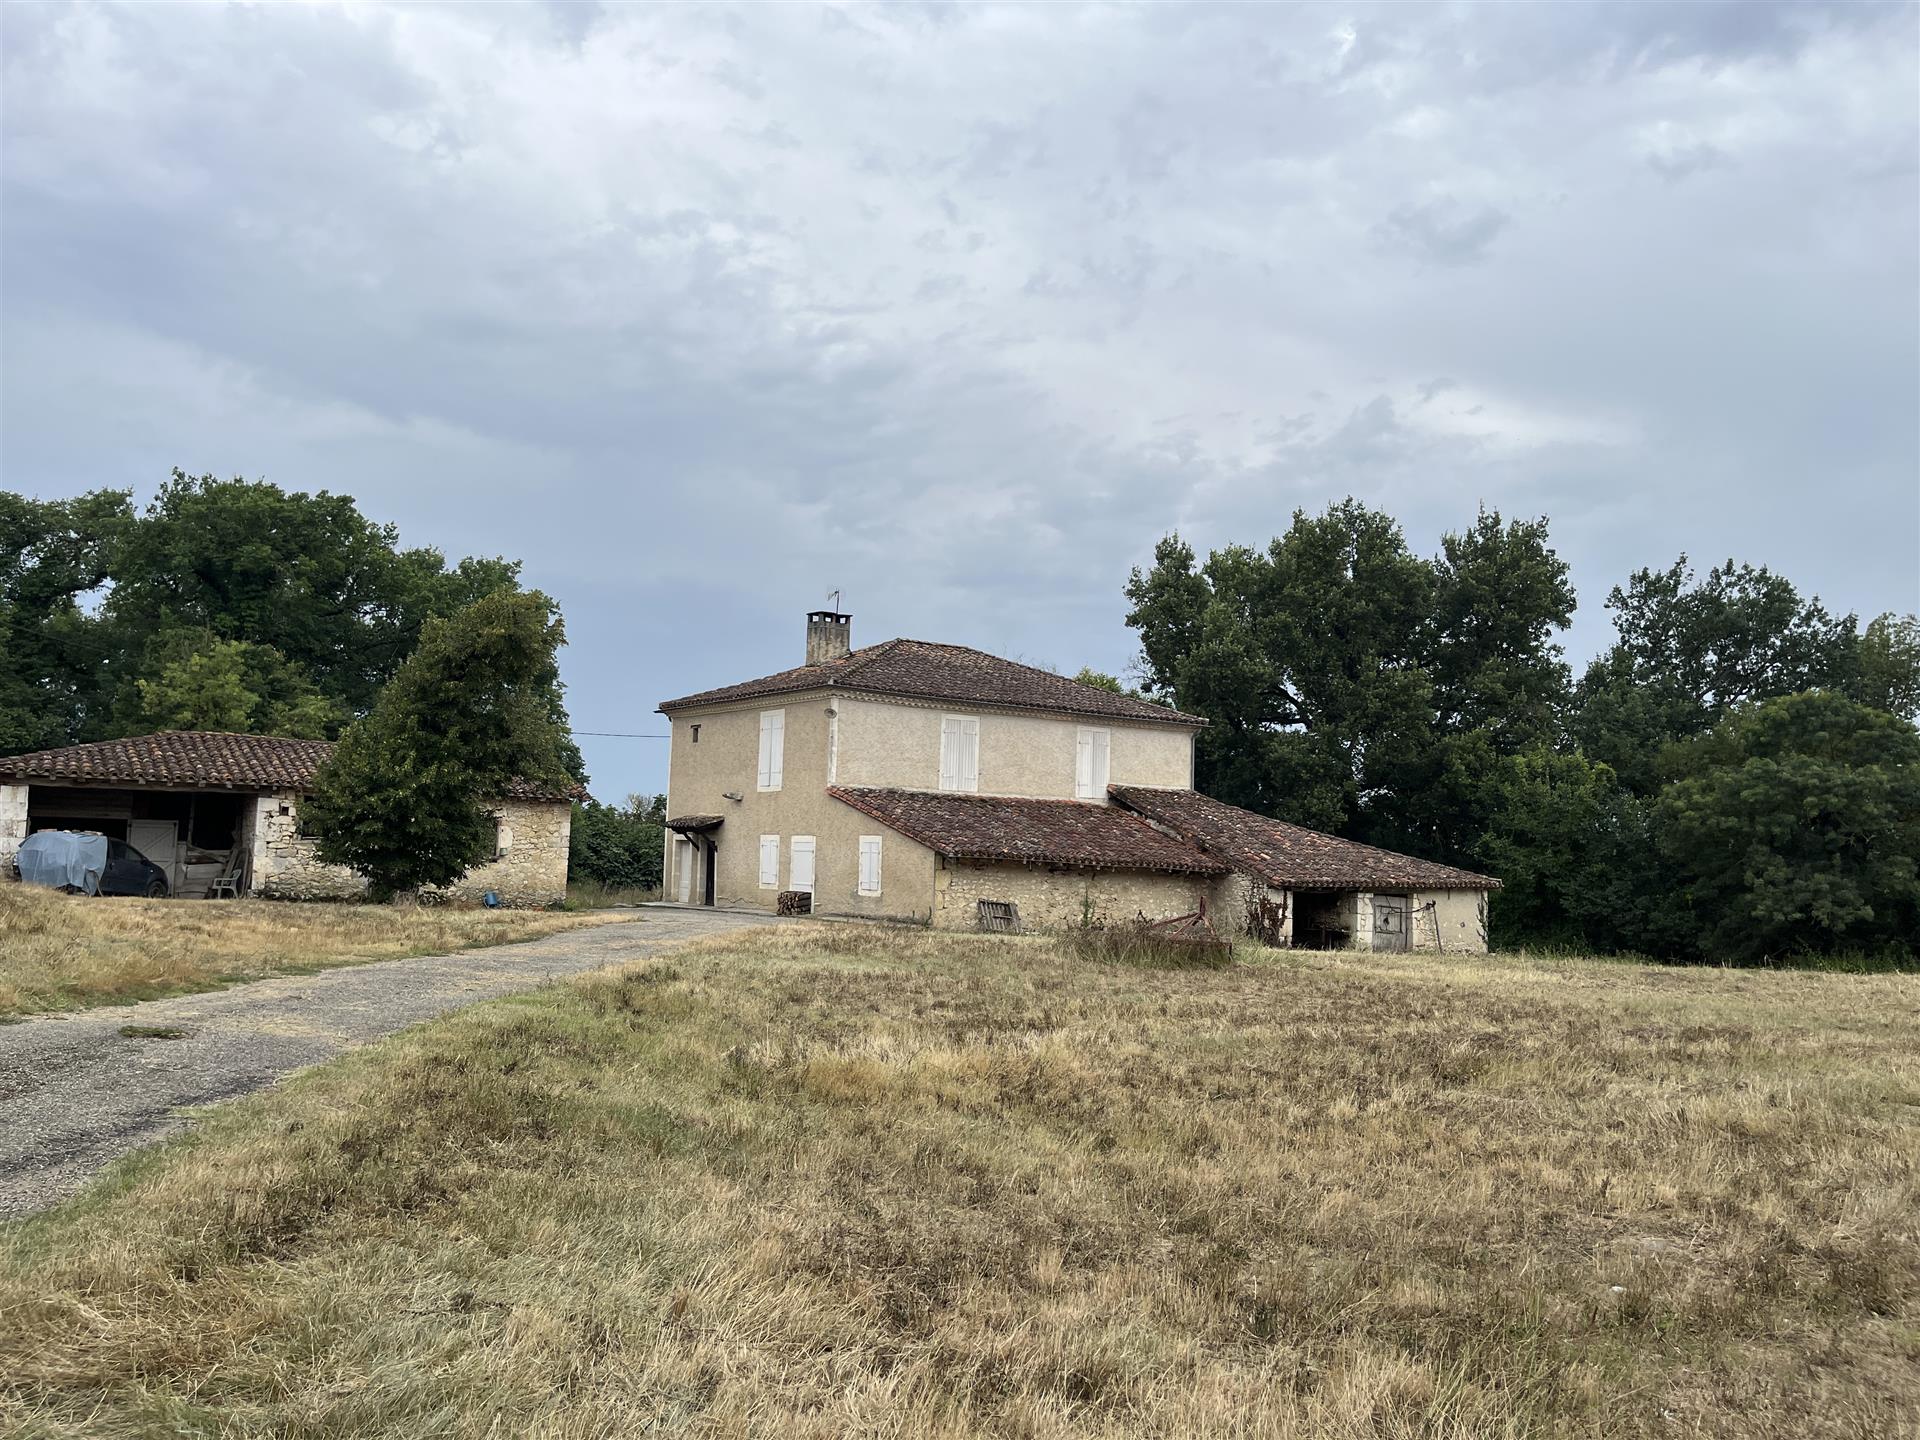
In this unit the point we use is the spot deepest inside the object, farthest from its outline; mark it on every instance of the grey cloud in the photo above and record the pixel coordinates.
(569, 291)
(1443, 230)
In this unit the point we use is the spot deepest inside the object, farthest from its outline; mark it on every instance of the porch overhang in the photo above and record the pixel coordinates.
(695, 824)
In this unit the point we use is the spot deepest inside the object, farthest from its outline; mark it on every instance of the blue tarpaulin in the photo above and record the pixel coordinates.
(63, 857)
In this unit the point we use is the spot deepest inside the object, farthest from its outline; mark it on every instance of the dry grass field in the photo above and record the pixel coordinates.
(836, 1181)
(62, 952)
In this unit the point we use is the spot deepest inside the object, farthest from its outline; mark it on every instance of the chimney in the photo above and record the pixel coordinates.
(829, 636)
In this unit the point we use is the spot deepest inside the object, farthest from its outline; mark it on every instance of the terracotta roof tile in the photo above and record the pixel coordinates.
(209, 759)
(923, 670)
(1290, 855)
(1071, 834)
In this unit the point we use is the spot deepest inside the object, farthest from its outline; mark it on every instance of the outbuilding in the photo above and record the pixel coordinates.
(207, 805)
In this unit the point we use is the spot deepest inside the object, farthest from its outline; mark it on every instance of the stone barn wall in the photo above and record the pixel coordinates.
(1061, 899)
(530, 871)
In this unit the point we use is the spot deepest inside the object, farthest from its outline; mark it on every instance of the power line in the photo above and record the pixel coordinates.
(623, 735)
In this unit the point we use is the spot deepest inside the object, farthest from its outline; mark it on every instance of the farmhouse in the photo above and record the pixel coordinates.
(937, 783)
(207, 806)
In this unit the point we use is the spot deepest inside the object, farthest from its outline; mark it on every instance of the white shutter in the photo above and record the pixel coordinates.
(800, 864)
(950, 752)
(869, 864)
(773, 736)
(1083, 764)
(970, 752)
(769, 862)
(1102, 758)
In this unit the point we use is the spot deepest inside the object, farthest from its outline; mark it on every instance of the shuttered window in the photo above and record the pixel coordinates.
(769, 862)
(773, 745)
(869, 864)
(1091, 761)
(960, 752)
(800, 864)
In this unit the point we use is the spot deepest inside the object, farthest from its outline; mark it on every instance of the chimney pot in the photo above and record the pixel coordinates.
(829, 636)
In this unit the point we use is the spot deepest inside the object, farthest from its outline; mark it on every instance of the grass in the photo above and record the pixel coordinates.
(829, 1181)
(64, 952)
(592, 895)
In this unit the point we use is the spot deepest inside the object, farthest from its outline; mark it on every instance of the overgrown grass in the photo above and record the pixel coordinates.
(592, 895)
(62, 952)
(832, 1181)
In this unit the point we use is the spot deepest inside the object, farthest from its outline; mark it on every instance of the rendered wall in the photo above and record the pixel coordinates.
(726, 760)
(896, 744)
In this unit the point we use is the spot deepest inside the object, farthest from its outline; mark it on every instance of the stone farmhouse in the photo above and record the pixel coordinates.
(206, 805)
(935, 783)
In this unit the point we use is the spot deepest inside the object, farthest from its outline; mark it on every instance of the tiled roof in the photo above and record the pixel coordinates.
(208, 759)
(1290, 855)
(923, 670)
(696, 822)
(1071, 834)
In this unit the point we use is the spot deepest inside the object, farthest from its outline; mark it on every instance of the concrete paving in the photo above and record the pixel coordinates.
(76, 1094)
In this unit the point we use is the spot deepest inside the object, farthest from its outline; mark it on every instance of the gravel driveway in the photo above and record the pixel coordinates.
(75, 1093)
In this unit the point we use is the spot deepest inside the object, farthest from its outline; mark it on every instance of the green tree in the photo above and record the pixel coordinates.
(1688, 654)
(402, 800)
(1304, 656)
(1501, 595)
(619, 846)
(304, 575)
(1887, 672)
(1352, 685)
(1576, 852)
(201, 683)
(52, 554)
(1794, 827)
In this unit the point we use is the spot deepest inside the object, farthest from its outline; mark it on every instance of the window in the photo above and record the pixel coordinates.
(800, 864)
(769, 862)
(869, 864)
(502, 838)
(773, 744)
(960, 752)
(1092, 753)
(696, 734)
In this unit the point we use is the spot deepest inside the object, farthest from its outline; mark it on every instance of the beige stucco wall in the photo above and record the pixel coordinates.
(532, 873)
(1457, 923)
(726, 760)
(896, 744)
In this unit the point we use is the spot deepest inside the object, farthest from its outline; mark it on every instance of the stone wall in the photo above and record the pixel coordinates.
(532, 869)
(530, 872)
(1060, 899)
(284, 865)
(13, 825)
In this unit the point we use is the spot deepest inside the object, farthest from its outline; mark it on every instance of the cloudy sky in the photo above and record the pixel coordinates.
(705, 313)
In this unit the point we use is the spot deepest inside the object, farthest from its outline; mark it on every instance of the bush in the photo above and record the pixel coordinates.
(618, 847)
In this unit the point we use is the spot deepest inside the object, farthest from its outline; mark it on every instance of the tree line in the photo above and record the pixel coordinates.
(1736, 777)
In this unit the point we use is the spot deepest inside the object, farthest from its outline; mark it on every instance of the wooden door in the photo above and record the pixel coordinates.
(1390, 922)
(159, 841)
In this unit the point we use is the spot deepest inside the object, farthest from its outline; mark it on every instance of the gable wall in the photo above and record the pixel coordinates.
(726, 759)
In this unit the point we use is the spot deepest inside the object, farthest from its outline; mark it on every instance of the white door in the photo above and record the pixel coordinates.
(800, 865)
(158, 840)
(683, 868)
